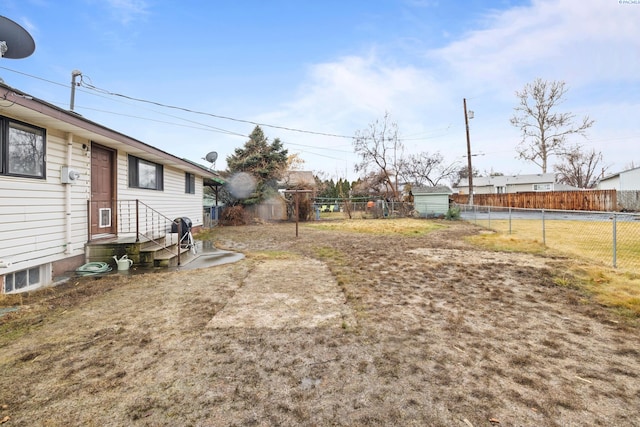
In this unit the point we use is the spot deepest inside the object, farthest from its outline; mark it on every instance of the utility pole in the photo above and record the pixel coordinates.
(469, 168)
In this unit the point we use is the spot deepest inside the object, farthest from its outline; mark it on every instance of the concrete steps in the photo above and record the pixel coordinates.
(161, 257)
(144, 253)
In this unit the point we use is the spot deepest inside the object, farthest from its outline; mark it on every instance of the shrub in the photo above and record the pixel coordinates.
(305, 209)
(453, 213)
(233, 215)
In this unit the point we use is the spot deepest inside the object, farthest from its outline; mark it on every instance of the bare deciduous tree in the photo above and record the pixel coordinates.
(579, 168)
(372, 184)
(380, 151)
(463, 173)
(544, 131)
(426, 169)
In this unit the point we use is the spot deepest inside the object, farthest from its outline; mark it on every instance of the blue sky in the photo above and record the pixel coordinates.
(333, 67)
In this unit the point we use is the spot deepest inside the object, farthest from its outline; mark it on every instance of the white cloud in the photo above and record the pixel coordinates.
(127, 11)
(566, 40)
(357, 90)
(589, 44)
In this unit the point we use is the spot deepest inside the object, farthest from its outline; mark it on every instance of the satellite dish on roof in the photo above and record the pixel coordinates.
(211, 157)
(15, 41)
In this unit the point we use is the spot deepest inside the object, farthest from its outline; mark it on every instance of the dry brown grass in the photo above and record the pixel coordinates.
(402, 226)
(619, 289)
(445, 331)
(587, 240)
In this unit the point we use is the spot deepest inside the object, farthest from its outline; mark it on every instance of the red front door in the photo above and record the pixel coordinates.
(102, 191)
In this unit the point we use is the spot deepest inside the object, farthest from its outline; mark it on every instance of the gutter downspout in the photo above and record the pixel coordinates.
(67, 196)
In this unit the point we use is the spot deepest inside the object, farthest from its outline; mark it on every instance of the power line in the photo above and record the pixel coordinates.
(93, 90)
(92, 87)
(188, 110)
(205, 127)
(196, 125)
(34, 77)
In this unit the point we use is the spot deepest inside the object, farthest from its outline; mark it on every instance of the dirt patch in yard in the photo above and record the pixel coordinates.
(304, 294)
(330, 328)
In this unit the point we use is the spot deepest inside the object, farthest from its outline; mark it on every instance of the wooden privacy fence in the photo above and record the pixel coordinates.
(585, 200)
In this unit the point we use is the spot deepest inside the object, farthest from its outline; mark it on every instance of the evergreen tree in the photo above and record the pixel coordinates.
(264, 161)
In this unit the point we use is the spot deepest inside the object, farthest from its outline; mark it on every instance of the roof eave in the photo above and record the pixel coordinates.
(25, 106)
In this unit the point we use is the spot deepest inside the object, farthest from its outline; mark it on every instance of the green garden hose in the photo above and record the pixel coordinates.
(93, 268)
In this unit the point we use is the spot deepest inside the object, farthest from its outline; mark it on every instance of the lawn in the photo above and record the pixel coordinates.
(589, 246)
(384, 322)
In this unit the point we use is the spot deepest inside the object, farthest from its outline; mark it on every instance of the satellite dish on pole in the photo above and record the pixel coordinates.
(211, 157)
(15, 41)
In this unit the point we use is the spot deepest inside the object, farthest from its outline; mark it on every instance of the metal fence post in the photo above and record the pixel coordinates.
(544, 231)
(489, 217)
(615, 246)
(509, 219)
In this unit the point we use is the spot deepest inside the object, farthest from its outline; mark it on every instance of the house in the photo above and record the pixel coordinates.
(299, 189)
(628, 180)
(298, 180)
(512, 184)
(67, 182)
(431, 201)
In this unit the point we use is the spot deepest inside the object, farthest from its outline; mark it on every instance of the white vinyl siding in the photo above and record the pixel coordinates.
(628, 180)
(172, 201)
(32, 212)
(612, 183)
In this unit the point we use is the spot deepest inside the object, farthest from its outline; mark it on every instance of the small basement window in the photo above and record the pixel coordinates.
(24, 280)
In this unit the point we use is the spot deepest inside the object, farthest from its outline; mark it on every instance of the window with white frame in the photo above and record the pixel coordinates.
(541, 187)
(23, 280)
(22, 149)
(145, 174)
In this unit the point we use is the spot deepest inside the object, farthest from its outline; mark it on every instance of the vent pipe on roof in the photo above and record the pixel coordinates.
(74, 74)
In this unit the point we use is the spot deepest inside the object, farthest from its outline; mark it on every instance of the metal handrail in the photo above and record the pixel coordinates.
(146, 222)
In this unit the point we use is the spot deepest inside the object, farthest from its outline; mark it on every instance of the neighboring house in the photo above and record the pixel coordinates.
(66, 181)
(512, 184)
(628, 180)
(431, 201)
(298, 180)
(298, 188)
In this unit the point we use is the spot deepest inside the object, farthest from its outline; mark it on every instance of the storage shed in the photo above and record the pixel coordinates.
(431, 201)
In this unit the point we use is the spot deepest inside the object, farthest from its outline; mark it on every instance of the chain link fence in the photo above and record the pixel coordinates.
(611, 238)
